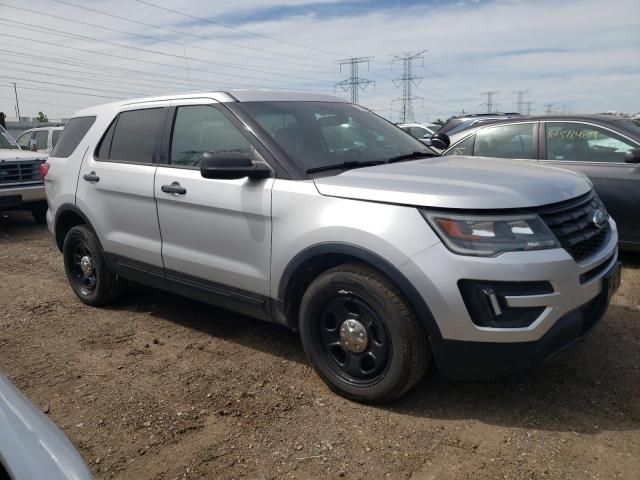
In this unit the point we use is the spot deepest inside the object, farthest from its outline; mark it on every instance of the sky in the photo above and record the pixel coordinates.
(581, 56)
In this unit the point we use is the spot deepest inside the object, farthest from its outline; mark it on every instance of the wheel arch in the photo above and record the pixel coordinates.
(67, 217)
(314, 260)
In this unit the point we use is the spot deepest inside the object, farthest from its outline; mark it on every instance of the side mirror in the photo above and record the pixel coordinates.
(441, 141)
(632, 156)
(231, 166)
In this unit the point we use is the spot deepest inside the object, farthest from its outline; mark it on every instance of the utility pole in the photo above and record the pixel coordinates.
(354, 83)
(15, 90)
(489, 103)
(519, 102)
(548, 108)
(407, 81)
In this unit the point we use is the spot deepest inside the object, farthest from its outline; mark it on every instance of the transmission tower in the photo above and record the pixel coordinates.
(407, 81)
(548, 108)
(489, 103)
(354, 83)
(520, 103)
(529, 109)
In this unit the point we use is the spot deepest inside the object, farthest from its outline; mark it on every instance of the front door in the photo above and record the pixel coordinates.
(599, 153)
(216, 234)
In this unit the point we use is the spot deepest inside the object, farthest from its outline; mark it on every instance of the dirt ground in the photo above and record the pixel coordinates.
(163, 387)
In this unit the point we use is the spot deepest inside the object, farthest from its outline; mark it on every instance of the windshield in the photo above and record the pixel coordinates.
(629, 126)
(6, 141)
(320, 134)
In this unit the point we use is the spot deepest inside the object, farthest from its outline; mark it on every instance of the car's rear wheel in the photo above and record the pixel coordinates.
(87, 271)
(39, 213)
(361, 335)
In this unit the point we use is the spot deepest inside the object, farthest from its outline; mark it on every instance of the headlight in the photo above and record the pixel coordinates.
(491, 235)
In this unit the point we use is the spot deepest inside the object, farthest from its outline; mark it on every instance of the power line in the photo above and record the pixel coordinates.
(147, 50)
(158, 27)
(149, 37)
(218, 24)
(407, 81)
(48, 90)
(354, 83)
(73, 86)
(489, 103)
(160, 63)
(205, 84)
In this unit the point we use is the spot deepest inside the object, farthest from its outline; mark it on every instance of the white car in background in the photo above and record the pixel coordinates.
(421, 131)
(40, 139)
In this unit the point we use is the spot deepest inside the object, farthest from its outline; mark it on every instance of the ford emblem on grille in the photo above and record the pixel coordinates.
(599, 218)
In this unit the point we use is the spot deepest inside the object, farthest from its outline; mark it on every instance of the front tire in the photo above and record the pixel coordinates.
(361, 336)
(87, 271)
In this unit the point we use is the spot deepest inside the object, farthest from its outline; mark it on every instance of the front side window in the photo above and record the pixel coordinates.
(134, 136)
(505, 141)
(72, 135)
(584, 143)
(203, 128)
(321, 134)
(41, 139)
(24, 139)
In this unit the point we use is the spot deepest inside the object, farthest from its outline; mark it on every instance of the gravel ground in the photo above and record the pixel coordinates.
(162, 387)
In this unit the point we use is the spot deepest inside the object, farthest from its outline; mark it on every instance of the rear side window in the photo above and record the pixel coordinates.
(465, 147)
(55, 136)
(505, 141)
(134, 136)
(72, 135)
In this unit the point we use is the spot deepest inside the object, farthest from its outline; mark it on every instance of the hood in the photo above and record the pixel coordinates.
(10, 155)
(458, 182)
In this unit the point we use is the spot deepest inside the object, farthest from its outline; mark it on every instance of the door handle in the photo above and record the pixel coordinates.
(174, 188)
(91, 177)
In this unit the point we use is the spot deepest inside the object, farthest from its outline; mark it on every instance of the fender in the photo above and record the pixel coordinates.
(64, 208)
(416, 301)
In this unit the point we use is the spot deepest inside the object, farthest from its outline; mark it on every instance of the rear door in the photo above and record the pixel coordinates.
(115, 188)
(599, 153)
(216, 234)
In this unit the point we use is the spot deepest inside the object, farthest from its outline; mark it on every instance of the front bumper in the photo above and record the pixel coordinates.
(19, 197)
(483, 360)
(465, 349)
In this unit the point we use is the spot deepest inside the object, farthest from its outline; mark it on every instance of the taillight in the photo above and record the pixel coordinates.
(44, 168)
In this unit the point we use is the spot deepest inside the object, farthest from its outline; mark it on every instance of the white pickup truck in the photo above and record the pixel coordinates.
(21, 186)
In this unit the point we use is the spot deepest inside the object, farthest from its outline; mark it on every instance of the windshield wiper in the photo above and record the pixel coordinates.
(408, 156)
(345, 166)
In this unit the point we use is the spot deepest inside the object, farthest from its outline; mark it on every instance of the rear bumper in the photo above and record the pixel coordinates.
(483, 360)
(21, 197)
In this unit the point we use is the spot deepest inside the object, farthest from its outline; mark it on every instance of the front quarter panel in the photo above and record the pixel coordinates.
(302, 218)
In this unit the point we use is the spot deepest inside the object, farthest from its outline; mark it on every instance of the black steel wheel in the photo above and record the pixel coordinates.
(361, 336)
(87, 270)
(354, 339)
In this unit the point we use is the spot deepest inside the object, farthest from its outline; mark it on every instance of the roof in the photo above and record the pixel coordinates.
(227, 96)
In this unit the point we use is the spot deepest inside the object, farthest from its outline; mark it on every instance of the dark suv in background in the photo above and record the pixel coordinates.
(603, 147)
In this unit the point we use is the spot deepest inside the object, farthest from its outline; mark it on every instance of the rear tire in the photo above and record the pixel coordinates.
(87, 270)
(39, 213)
(361, 336)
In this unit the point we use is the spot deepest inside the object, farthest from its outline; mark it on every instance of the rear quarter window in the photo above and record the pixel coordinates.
(72, 135)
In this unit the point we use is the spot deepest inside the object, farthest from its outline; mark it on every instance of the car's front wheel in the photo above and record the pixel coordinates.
(87, 271)
(361, 335)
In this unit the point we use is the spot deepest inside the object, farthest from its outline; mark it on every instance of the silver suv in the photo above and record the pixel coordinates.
(314, 213)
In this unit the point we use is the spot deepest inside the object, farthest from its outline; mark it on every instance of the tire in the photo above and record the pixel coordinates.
(39, 213)
(375, 367)
(97, 285)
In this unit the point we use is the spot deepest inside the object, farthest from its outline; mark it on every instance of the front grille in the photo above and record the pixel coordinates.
(16, 172)
(572, 223)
